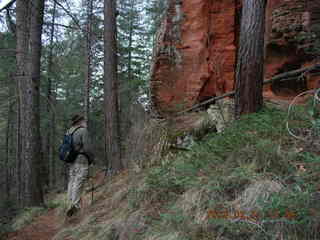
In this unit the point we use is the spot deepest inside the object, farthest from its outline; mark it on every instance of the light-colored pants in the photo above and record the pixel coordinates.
(78, 174)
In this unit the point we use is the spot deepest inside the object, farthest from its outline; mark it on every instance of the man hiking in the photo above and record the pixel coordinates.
(78, 168)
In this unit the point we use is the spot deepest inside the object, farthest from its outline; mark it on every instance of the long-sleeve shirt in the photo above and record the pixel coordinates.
(82, 141)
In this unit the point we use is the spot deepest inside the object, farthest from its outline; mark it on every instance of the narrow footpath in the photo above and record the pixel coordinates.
(42, 228)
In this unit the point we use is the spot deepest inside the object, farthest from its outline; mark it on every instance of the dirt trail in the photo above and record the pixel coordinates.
(46, 226)
(42, 228)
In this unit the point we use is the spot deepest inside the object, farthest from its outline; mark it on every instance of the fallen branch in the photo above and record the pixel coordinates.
(293, 73)
(287, 76)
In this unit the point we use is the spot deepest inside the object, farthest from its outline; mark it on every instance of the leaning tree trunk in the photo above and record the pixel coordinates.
(249, 73)
(28, 69)
(112, 128)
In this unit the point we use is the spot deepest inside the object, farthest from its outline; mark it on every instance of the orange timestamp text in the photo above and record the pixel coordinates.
(251, 215)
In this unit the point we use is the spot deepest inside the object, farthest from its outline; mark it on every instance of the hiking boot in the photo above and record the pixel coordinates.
(72, 211)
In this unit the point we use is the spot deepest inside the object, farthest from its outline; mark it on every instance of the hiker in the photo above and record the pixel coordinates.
(78, 169)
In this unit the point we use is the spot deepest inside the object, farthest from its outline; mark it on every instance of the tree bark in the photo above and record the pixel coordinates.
(28, 71)
(8, 165)
(35, 185)
(22, 34)
(18, 151)
(112, 127)
(7, 154)
(88, 58)
(51, 167)
(250, 63)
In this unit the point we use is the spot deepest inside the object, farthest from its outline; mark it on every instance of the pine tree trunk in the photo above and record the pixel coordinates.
(22, 33)
(50, 124)
(34, 186)
(28, 69)
(8, 165)
(10, 147)
(65, 169)
(7, 153)
(88, 59)
(53, 153)
(112, 126)
(250, 63)
(19, 182)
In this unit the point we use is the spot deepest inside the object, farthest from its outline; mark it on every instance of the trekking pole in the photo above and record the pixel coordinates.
(92, 189)
(92, 185)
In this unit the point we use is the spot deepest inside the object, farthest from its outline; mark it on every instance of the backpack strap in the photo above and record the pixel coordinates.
(75, 130)
(81, 153)
(73, 133)
(81, 146)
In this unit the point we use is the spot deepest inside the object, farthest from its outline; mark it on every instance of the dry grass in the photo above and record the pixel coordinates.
(146, 144)
(109, 218)
(256, 194)
(192, 204)
(164, 236)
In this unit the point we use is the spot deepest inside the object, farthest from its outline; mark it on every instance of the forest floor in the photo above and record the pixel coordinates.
(48, 224)
(43, 228)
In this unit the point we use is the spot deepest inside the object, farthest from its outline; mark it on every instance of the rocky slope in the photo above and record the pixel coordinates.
(196, 49)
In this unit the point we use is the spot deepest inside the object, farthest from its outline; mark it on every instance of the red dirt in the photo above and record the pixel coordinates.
(46, 226)
(42, 228)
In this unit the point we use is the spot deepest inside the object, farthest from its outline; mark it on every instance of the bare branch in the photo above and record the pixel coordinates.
(74, 19)
(8, 5)
(61, 25)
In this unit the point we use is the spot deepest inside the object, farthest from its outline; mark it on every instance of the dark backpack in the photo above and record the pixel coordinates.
(67, 153)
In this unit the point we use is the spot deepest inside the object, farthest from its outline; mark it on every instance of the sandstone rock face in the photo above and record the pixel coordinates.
(291, 36)
(196, 49)
(195, 53)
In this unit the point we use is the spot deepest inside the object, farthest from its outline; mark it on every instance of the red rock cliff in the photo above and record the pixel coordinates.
(196, 48)
(290, 38)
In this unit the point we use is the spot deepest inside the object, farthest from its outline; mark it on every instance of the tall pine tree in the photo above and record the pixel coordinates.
(250, 62)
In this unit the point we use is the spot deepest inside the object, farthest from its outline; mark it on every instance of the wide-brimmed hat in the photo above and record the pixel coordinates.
(76, 118)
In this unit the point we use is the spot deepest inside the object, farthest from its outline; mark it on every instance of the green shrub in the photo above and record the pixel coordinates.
(254, 148)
